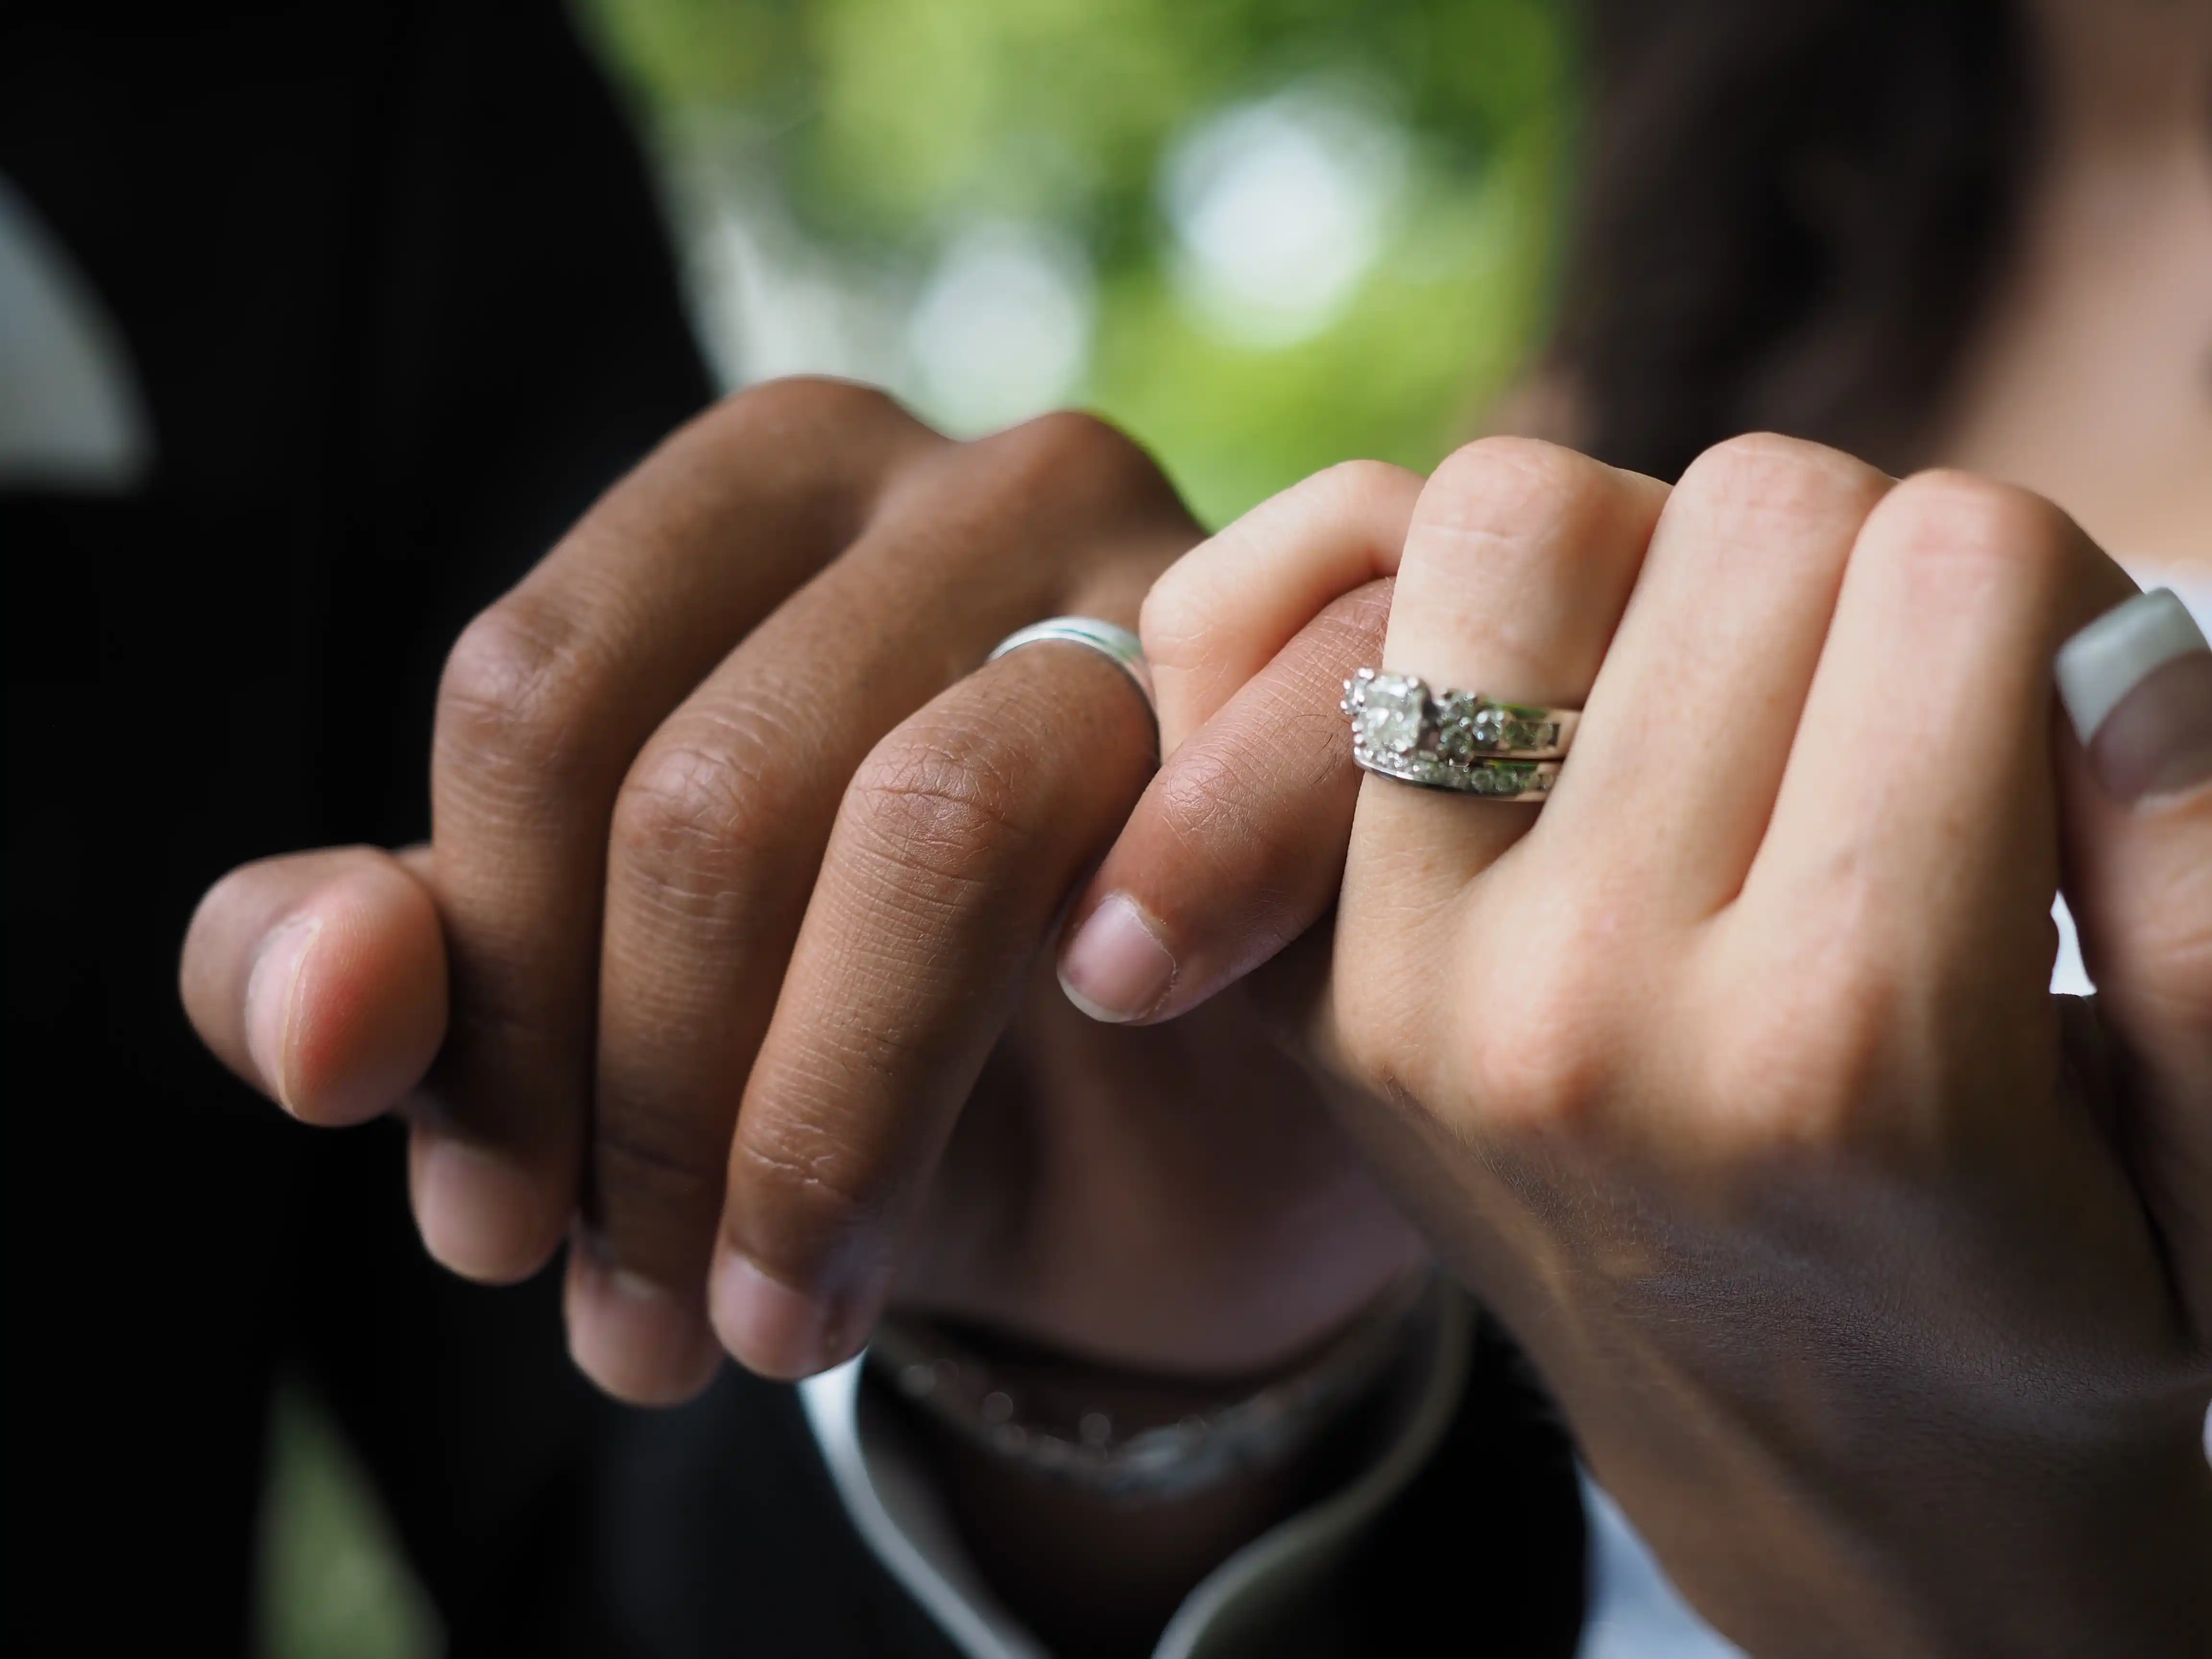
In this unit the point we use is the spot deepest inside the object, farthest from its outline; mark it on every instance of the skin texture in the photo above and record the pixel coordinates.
(1872, 1279)
(634, 809)
(727, 957)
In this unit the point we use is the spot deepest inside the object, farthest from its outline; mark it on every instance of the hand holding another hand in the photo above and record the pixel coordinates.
(1876, 1282)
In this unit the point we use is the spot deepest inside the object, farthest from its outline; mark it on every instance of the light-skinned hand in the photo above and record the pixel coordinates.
(1874, 1278)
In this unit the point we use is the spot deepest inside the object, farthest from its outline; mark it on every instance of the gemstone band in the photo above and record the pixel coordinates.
(1456, 740)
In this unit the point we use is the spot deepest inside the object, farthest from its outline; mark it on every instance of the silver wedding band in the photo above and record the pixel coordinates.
(1117, 644)
(1457, 740)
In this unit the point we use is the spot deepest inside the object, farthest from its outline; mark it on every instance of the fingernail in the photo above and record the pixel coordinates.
(2137, 685)
(474, 1210)
(1115, 969)
(635, 1338)
(271, 991)
(771, 1328)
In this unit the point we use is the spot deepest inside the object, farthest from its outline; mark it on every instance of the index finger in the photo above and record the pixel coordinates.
(1224, 608)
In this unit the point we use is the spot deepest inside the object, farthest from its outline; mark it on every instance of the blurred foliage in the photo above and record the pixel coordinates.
(885, 125)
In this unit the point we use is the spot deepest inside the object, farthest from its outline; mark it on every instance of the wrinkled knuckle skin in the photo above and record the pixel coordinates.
(802, 1200)
(1509, 481)
(1755, 482)
(1952, 527)
(688, 818)
(515, 699)
(1226, 851)
(1203, 802)
(941, 804)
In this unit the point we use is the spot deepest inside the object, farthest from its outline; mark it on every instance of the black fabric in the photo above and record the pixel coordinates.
(1488, 1543)
(394, 287)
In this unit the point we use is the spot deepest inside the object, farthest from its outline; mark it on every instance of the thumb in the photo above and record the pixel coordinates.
(2136, 788)
(320, 979)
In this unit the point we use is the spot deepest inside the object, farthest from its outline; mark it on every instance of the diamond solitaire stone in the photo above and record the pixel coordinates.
(1390, 708)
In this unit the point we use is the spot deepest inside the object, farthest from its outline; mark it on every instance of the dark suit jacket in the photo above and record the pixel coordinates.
(394, 287)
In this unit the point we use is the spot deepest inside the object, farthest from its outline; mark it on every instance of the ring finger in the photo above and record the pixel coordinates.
(1517, 566)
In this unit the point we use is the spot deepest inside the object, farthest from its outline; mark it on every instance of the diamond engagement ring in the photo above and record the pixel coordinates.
(1455, 739)
(1117, 644)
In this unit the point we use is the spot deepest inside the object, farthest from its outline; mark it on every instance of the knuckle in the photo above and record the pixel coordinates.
(808, 401)
(515, 694)
(686, 808)
(1952, 528)
(1746, 486)
(1545, 1086)
(800, 1192)
(941, 800)
(1205, 797)
(1366, 487)
(1534, 1065)
(1068, 454)
(1508, 478)
(1178, 616)
(1540, 1032)
(1516, 1057)
(1221, 844)
(1519, 494)
(1194, 598)
(1803, 1066)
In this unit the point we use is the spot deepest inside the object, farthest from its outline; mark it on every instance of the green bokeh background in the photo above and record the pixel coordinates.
(885, 124)
(877, 128)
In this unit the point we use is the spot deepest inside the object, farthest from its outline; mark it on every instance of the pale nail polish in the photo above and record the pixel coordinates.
(771, 1328)
(1116, 969)
(272, 992)
(2137, 686)
(634, 1338)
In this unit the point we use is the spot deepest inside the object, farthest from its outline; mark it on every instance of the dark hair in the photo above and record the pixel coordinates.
(1788, 215)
